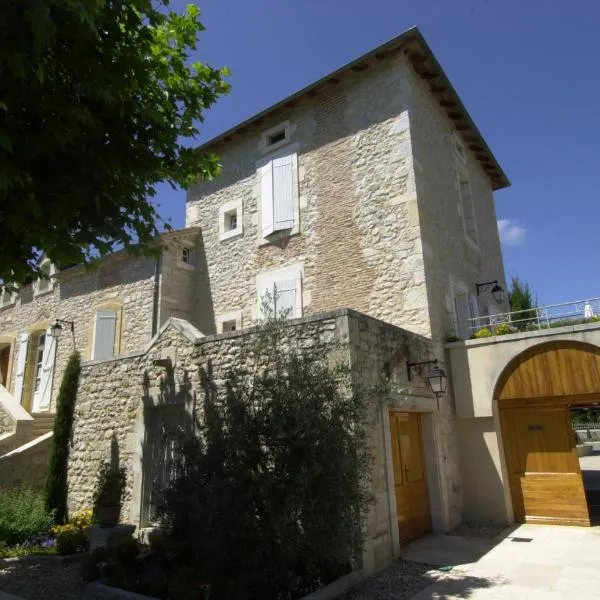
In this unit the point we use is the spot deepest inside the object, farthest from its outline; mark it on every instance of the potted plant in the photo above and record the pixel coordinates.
(109, 495)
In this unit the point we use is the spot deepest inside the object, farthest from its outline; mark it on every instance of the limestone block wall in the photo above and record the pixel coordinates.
(447, 252)
(121, 280)
(116, 398)
(358, 243)
(6, 423)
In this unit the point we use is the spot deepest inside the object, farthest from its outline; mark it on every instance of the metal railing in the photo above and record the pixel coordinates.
(541, 317)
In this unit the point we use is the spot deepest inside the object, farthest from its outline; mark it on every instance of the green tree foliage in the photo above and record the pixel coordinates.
(56, 482)
(98, 103)
(270, 496)
(520, 298)
(22, 515)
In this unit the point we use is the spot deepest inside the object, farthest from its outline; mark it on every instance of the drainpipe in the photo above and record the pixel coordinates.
(156, 295)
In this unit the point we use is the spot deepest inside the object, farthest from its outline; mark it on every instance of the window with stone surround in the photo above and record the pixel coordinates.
(466, 206)
(281, 292)
(275, 137)
(231, 321)
(105, 334)
(7, 297)
(45, 284)
(230, 220)
(279, 197)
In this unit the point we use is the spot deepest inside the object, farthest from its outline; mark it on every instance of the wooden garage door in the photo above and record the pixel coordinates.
(544, 476)
(412, 496)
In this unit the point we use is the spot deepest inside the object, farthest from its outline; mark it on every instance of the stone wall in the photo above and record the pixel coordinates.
(27, 466)
(447, 251)
(118, 400)
(6, 423)
(122, 281)
(359, 241)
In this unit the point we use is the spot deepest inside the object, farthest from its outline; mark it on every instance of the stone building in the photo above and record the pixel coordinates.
(362, 207)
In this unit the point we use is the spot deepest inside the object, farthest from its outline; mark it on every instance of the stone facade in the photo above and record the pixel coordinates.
(358, 242)
(137, 287)
(6, 424)
(449, 256)
(118, 400)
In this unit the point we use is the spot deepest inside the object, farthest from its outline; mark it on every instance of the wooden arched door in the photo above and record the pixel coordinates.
(534, 395)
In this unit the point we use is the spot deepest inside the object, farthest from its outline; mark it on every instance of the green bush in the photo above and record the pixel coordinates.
(269, 500)
(502, 329)
(22, 515)
(56, 482)
(482, 333)
(71, 540)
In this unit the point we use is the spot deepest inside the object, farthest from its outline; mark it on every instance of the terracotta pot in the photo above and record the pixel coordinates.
(108, 516)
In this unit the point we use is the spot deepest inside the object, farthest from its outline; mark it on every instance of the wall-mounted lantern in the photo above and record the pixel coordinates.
(57, 329)
(497, 291)
(437, 379)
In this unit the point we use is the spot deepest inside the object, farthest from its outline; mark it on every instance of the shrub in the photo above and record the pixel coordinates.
(56, 482)
(73, 537)
(482, 333)
(269, 500)
(502, 329)
(22, 515)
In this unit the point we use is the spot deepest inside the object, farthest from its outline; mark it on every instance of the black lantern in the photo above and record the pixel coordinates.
(497, 291)
(437, 379)
(57, 329)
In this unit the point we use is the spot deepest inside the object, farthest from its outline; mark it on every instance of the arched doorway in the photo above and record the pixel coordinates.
(534, 395)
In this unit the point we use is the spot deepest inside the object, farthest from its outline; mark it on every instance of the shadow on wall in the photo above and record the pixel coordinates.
(203, 311)
(168, 417)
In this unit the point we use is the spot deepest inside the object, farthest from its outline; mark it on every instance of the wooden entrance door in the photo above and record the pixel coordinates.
(543, 468)
(412, 497)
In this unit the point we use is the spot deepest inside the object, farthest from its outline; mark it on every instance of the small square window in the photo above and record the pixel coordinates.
(230, 220)
(229, 326)
(186, 255)
(276, 137)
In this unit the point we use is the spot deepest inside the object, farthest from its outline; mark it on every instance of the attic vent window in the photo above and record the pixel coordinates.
(275, 137)
(186, 255)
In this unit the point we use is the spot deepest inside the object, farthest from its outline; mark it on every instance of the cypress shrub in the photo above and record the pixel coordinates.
(55, 495)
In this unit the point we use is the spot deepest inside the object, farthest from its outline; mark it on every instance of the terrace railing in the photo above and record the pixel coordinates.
(540, 317)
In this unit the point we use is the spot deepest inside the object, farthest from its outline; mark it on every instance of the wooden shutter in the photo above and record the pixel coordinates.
(21, 363)
(48, 356)
(104, 336)
(286, 298)
(266, 198)
(283, 197)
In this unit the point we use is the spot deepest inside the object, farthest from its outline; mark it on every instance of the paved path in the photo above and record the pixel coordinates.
(534, 562)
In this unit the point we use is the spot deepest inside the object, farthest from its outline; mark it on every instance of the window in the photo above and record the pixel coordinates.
(45, 284)
(7, 297)
(105, 334)
(275, 137)
(231, 321)
(466, 207)
(186, 256)
(229, 326)
(39, 356)
(278, 194)
(279, 292)
(230, 220)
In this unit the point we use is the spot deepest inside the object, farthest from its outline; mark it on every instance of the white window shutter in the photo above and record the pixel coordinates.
(48, 356)
(104, 336)
(283, 197)
(266, 198)
(21, 362)
(285, 296)
(473, 306)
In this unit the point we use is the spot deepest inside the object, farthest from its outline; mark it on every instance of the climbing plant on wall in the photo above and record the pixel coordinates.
(56, 482)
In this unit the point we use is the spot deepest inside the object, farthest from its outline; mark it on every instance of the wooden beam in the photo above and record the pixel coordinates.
(455, 116)
(447, 103)
(359, 68)
(436, 88)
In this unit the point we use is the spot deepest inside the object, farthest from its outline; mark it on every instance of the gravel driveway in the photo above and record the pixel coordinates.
(400, 581)
(41, 580)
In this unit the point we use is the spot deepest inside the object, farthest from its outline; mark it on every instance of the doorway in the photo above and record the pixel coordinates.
(4, 363)
(410, 476)
(586, 433)
(534, 395)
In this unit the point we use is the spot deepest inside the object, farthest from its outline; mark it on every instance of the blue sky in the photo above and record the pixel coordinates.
(527, 71)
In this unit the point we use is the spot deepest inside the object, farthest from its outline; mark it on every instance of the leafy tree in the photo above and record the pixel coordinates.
(56, 481)
(98, 103)
(270, 498)
(520, 297)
